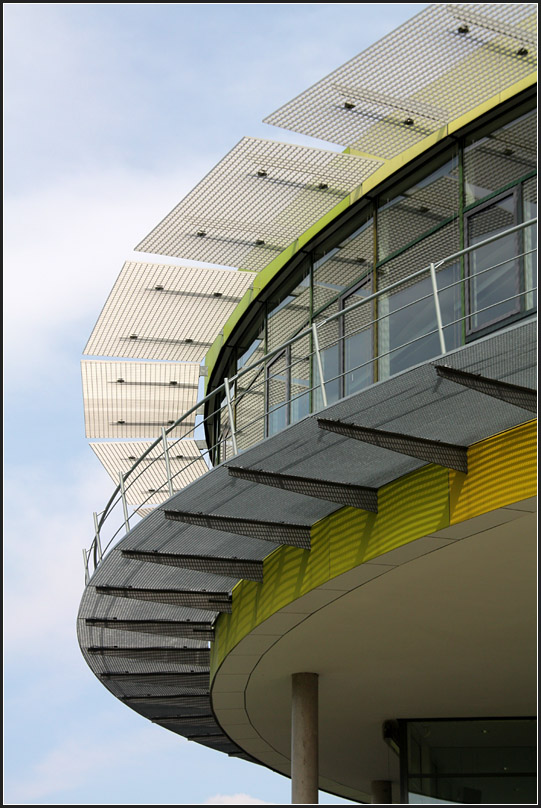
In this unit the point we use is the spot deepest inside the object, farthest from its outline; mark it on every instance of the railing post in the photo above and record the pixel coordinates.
(230, 411)
(437, 306)
(85, 562)
(124, 503)
(97, 540)
(319, 364)
(167, 463)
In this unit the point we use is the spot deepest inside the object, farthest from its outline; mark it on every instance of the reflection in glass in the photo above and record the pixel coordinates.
(493, 269)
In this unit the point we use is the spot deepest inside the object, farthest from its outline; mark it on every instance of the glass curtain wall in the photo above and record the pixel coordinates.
(480, 186)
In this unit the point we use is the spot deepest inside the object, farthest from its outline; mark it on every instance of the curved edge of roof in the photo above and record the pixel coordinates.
(266, 275)
(442, 499)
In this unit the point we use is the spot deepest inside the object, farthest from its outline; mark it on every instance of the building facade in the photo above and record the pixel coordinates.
(325, 563)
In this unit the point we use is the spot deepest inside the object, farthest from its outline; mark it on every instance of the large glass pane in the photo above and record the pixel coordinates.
(342, 266)
(503, 156)
(329, 345)
(288, 316)
(404, 215)
(398, 325)
(412, 322)
(277, 395)
(529, 211)
(357, 330)
(300, 379)
(493, 270)
(479, 761)
(250, 399)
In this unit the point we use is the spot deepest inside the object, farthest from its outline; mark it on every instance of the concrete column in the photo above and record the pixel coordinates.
(382, 793)
(304, 739)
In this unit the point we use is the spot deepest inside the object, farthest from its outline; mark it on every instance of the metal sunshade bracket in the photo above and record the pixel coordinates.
(523, 397)
(449, 455)
(184, 629)
(194, 679)
(246, 569)
(182, 656)
(278, 532)
(185, 699)
(356, 496)
(195, 599)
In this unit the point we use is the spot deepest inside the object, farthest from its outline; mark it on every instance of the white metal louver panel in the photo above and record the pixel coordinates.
(255, 202)
(159, 311)
(137, 399)
(446, 60)
(147, 484)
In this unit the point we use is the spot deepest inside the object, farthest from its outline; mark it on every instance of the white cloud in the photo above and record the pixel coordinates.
(76, 761)
(235, 799)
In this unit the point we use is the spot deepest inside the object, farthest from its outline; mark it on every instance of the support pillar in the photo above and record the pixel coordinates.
(304, 739)
(382, 793)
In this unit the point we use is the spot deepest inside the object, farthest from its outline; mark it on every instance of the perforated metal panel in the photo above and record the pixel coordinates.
(255, 202)
(148, 482)
(429, 71)
(175, 313)
(137, 399)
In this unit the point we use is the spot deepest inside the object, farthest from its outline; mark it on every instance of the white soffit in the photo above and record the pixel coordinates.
(159, 311)
(135, 399)
(443, 62)
(255, 202)
(147, 484)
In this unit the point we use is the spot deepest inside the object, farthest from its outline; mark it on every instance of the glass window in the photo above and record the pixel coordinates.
(290, 314)
(343, 265)
(407, 315)
(277, 394)
(493, 269)
(529, 211)
(485, 761)
(405, 215)
(500, 157)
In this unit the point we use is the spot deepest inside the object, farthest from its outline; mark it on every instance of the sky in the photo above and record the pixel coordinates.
(112, 113)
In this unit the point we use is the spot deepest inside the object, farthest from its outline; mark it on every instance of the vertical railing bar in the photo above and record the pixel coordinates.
(230, 411)
(167, 462)
(85, 561)
(124, 503)
(437, 307)
(97, 538)
(319, 364)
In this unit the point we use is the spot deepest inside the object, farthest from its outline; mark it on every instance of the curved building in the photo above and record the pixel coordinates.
(325, 561)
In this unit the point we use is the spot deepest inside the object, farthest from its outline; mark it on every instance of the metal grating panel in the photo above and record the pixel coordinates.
(189, 680)
(137, 399)
(432, 451)
(175, 312)
(163, 628)
(356, 496)
(234, 567)
(255, 202)
(522, 397)
(199, 657)
(443, 62)
(148, 483)
(214, 601)
(186, 701)
(279, 532)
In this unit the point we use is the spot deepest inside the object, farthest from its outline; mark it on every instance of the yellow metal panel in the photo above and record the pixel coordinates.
(409, 508)
(501, 470)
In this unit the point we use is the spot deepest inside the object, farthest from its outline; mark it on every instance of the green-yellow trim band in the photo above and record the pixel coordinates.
(390, 167)
(502, 470)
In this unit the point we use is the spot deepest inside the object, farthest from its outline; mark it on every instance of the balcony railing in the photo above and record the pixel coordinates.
(417, 318)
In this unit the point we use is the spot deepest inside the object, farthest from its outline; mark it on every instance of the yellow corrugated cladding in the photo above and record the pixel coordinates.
(501, 470)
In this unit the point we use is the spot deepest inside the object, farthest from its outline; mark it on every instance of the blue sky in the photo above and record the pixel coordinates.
(112, 113)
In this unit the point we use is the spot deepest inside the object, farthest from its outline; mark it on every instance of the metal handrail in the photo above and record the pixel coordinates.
(223, 390)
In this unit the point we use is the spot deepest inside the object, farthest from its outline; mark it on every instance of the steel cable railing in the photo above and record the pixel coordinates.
(225, 403)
